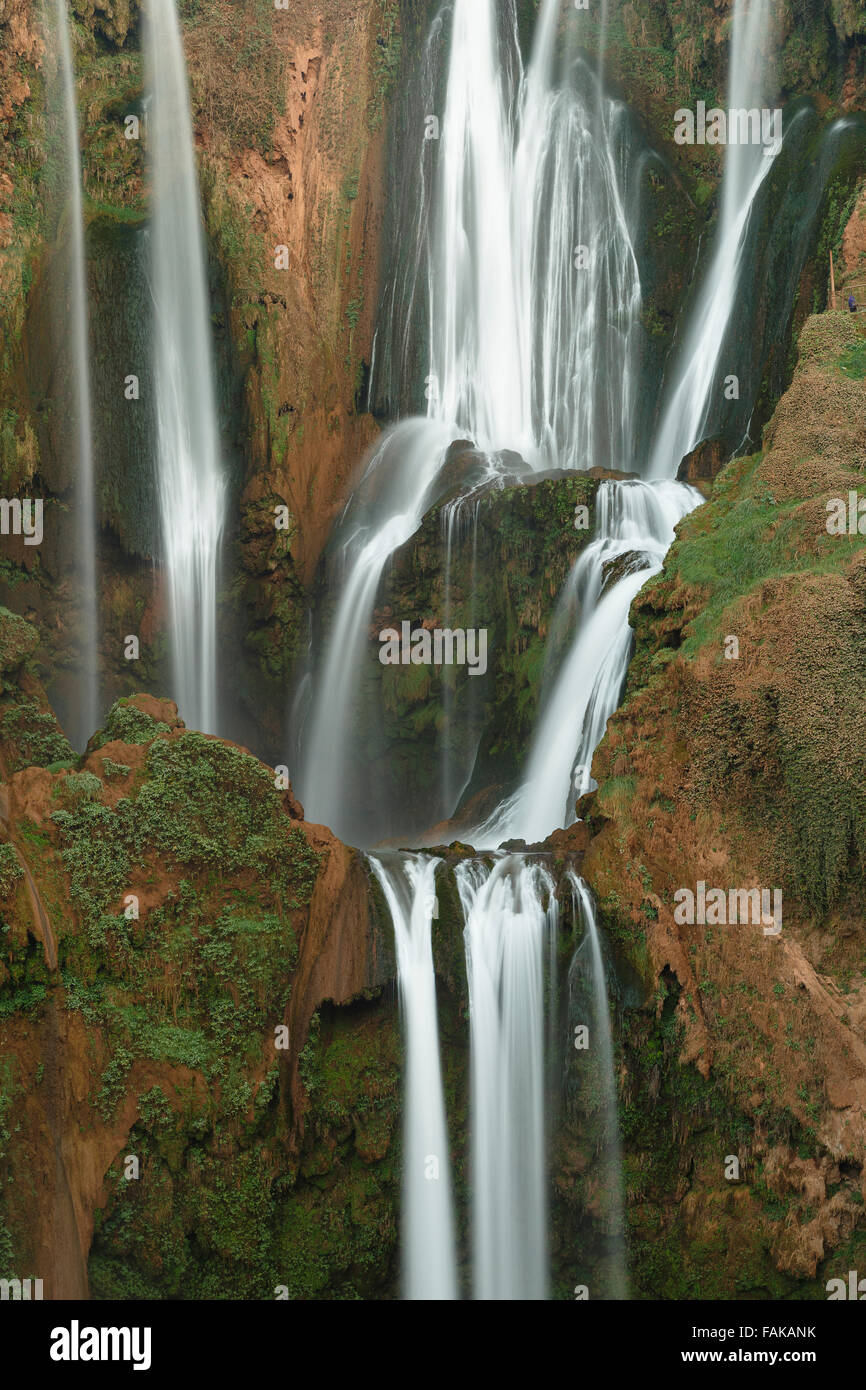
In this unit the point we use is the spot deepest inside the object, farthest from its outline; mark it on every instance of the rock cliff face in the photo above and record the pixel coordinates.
(295, 129)
(736, 760)
(307, 178)
(152, 1038)
(290, 110)
(498, 562)
(161, 968)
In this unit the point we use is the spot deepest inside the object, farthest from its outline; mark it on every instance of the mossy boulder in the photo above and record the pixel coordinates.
(512, 546)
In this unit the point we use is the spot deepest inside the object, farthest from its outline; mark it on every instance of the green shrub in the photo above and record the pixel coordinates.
(129, 724)
(80, 787)
(10, 870)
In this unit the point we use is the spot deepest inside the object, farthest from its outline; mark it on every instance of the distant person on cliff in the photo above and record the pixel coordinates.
(852, 304)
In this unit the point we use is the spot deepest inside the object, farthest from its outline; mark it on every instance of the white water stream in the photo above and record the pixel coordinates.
(601, 1044)
(86, 715)
(534, 301)
(699, 370)
(409, 885)
(533, 310)
(190, 473)
(510, 915)
(634, 523)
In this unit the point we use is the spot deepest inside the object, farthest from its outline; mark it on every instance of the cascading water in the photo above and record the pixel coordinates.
(601, 1050)
(695, 380)
(533, 307)
(591, 678)
(537, 287)
(409, 885)
(86, 715)
(634, 526)
(533, 310)
(386, 510)
(475, 377)
(191, 483)
(508, 927)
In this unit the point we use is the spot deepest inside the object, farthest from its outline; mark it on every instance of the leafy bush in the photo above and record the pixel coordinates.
(80, 787)
(10, 870)
(129, 724)
(34, 736)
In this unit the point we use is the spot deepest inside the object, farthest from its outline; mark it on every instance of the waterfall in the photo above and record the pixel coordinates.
(409, 885)
(386, 509)
(461, 730)
(507, 928)
(640, 517)
(537, 288)
(533, 308)
(523, 237)
(511, 920)
(476, 375)
(87, 713)
(634, 528)
(191, 483)
(451, 514)
(601, 1050)
(696, 381)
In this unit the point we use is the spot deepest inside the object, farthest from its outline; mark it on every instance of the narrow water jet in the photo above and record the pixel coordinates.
(461, 728)
(601, 1043)
(451, 514)
(86, 712)
(697, 377)
(190, 474)
(429, 1269)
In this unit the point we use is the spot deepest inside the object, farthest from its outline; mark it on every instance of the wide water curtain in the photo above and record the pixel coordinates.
(535, 292)
(85, 717)
(508, 928)
(190, 474)
(582, 294)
